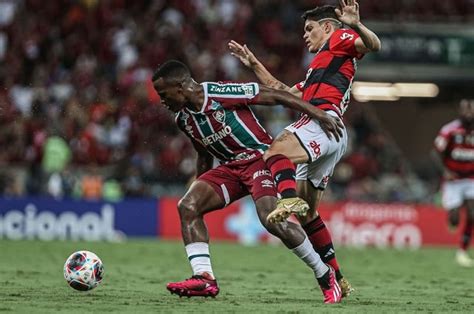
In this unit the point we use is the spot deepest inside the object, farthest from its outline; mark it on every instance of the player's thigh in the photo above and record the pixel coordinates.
(257, 179)
(201, 198)
(452, 195)
(286, 143)
(314, 141)
(225, 183)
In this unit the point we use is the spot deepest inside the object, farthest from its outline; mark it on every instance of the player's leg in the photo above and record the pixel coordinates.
(312, 180)
(318, 233)
(213, 190)
(467, 232)
(314, 226)
(284, 152)
(452, 198)
(468, 194)
(200, 199)
(303, 141)
(294, 238)
(259, 182)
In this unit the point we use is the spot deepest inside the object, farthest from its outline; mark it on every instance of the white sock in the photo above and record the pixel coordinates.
(306, 252)
(199, 258)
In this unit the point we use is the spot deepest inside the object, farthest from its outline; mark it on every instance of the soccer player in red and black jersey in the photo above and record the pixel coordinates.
(455, 145)
(327, 86)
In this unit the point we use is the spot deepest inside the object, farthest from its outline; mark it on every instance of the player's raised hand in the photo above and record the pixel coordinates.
(349, 12)
(242, 53)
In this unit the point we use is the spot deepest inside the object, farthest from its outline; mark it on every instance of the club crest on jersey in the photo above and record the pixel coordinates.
(219, 115)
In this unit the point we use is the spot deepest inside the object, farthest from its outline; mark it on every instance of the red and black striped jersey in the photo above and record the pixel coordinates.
(330, 74)
(455, 143)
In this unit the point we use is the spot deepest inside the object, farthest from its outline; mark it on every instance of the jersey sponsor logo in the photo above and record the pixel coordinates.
(347, 36)
(463, 154)
(232, 89)
(245, 156)
(267, 183)
(316, 148)
(208, 140)
(260, 173)
(249, 90)
(219, 115)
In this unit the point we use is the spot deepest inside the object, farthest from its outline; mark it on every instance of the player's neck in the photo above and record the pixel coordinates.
(196, 97)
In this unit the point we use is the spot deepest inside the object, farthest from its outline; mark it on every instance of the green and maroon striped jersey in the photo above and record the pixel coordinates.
(226, 126)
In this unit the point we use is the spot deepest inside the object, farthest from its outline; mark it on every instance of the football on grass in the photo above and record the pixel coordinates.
(83, 270)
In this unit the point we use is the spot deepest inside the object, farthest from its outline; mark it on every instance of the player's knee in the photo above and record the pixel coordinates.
(187, 208)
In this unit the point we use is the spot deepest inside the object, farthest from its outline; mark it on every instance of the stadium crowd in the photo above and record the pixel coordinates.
(79, 116)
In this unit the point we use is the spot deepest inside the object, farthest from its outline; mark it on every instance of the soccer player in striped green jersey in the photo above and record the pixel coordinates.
(218, 120)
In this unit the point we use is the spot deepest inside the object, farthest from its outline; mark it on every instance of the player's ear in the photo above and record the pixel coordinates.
(327, 27)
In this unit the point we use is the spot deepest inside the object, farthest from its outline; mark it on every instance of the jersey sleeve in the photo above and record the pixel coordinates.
(342, 43)
(233, 94)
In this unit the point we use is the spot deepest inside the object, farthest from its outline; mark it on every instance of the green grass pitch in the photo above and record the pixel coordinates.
(257, 279)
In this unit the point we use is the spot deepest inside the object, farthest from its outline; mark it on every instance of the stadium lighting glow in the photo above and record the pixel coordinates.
(384, 91)
(417, 89)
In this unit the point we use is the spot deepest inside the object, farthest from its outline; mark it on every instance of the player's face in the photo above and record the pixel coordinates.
(314, 35)
(171, 94)
(466, 111)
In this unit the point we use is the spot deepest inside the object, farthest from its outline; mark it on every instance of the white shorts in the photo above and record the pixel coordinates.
(455, 192)
(323, 153)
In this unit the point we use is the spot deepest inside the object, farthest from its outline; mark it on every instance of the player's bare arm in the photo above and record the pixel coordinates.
(247, 57)
(349, 15)
(332, 126)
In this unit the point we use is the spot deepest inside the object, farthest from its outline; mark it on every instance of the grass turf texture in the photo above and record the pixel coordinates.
(252, 279)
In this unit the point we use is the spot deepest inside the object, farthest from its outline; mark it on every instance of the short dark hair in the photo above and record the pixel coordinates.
(171, 70)
(319, 13)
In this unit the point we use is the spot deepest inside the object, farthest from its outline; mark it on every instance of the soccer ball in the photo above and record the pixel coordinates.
(83, 270)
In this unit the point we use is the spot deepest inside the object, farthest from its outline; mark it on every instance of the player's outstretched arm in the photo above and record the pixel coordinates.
(332, 126)
(349, 15)
(247, 57)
